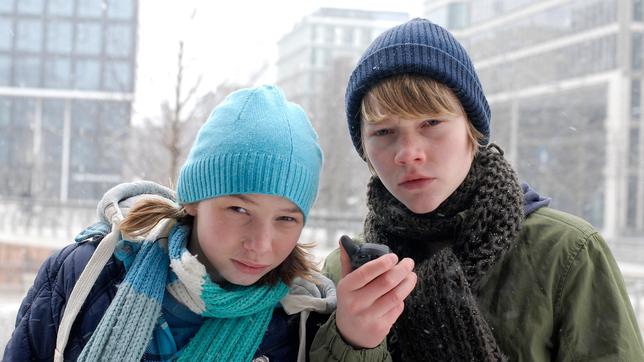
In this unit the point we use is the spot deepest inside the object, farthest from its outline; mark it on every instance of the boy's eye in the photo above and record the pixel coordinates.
(382, 132)
(432, 122)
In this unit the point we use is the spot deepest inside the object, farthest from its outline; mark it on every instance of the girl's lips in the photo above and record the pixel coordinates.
(248, 267)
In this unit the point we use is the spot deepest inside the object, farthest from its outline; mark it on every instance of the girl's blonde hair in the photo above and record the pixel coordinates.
(410, 96)
(147, 213)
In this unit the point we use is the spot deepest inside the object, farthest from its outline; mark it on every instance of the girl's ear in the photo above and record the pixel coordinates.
(191, 209)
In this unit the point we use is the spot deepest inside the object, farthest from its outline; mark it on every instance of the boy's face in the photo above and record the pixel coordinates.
(422, 160)
(246, 236)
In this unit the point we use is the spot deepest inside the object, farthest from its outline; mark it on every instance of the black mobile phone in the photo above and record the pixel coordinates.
(362, 253)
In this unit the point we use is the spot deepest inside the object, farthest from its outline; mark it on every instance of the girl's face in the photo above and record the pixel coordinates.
(421, 161)
(246, 236)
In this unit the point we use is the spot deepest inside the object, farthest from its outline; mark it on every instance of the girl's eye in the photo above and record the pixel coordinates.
(238, 209)
(432, 122)
(287, 219)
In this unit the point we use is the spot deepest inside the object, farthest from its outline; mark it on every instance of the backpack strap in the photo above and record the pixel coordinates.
(85, 282)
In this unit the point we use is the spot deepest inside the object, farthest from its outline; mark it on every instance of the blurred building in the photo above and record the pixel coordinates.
(314, 63)
(66, 88)
(308, 52)
(564, 81)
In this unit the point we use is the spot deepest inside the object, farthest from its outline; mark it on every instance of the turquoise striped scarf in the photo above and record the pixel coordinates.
(236, 316)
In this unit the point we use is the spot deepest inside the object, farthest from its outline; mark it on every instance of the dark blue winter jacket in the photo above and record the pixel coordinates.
(34, 338)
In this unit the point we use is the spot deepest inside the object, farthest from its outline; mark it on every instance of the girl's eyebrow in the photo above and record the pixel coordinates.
(244, 198)
(293, 209)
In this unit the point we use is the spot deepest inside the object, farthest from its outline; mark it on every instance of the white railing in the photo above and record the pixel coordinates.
(43, 223)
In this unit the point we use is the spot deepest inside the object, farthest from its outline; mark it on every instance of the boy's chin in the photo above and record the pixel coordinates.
(419, 206)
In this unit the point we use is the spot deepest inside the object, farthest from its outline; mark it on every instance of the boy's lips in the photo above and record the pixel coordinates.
(415, 182)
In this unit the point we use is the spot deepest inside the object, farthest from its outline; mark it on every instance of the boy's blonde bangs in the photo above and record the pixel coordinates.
(408, 96)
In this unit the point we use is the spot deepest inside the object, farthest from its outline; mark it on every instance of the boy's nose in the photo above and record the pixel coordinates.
(408, 151)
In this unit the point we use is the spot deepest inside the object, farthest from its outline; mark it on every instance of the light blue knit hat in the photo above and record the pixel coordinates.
(254, 142)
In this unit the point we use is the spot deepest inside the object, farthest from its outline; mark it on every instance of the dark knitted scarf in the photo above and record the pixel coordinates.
(453, 247)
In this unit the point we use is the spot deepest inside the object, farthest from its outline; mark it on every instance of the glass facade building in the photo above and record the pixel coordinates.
(67, 72)
(563, 79)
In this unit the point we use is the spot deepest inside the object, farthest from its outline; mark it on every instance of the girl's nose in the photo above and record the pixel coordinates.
(260, 237)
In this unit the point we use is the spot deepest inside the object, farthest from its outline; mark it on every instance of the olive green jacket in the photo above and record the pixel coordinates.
(558, 295)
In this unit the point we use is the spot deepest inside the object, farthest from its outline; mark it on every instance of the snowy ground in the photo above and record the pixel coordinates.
(8, 309)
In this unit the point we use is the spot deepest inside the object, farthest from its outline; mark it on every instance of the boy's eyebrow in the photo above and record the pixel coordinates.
(293, 209)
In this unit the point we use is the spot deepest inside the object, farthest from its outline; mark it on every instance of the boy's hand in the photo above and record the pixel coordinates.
(371, 298)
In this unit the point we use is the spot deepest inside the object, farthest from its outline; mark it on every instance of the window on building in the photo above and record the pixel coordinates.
(633, 147)
(329, 34)
(5, 154)
(29, 35)
(365, 36)
(30, 6)
(120, 9)
(88, 38)
(57, 72)
(5, 69)
(636, 51)
(485, 9)
(24, 111)
(338, 36)
(90, 8)
(438, 16)
(5, 112)
(117, 76)
(502, 131)
(27, 71)
(543, 26)
(588, 57)
(87, 74)
(347, 35)
(457, 17)
(59, 37)
(118, 40)
(118, 114)
(636, 95)
(6, 6)
(53, 114)
(631, 209)
(318, 57)
(6, 33)
(61, 7)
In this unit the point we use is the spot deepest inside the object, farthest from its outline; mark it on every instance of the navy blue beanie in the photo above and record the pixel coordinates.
(418, 47)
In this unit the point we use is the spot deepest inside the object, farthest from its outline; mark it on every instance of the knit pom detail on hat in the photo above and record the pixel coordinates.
(417, 47)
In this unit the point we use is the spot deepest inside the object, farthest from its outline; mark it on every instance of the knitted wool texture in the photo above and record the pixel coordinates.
(417, 47)
(254, 142)
(236, 316)
(454, 247)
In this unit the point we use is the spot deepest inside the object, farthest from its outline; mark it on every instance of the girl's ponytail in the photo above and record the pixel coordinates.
(146, 213)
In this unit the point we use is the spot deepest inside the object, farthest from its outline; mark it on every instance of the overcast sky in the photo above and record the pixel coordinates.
(224, 40)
